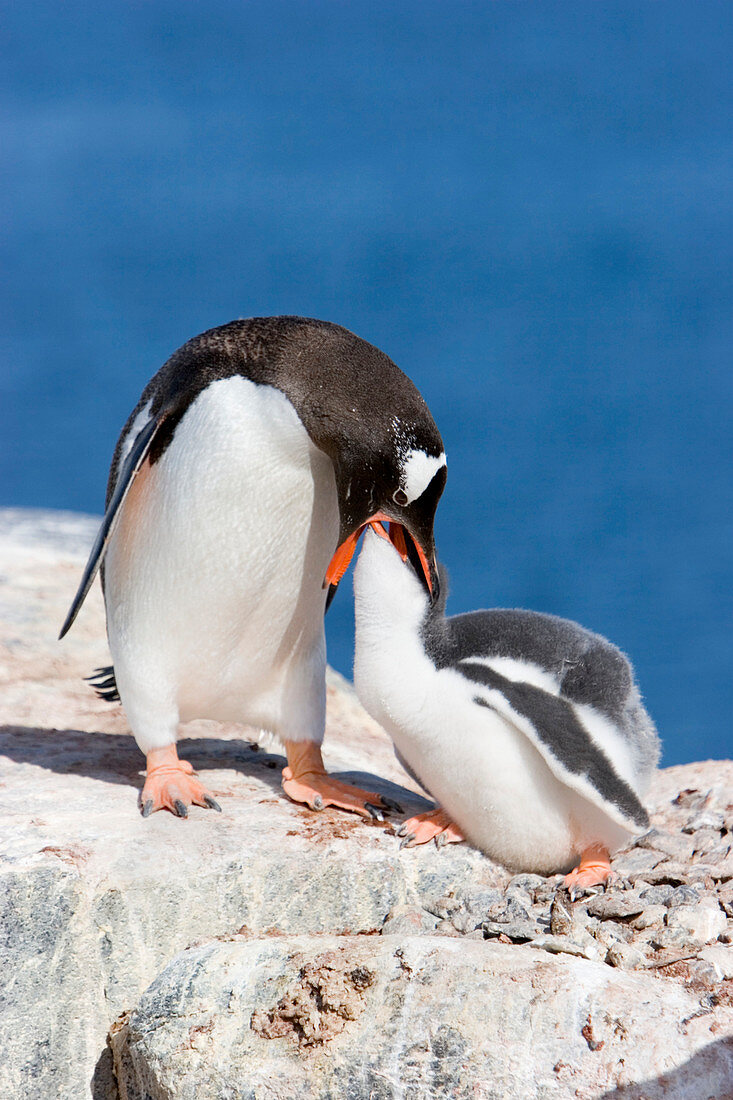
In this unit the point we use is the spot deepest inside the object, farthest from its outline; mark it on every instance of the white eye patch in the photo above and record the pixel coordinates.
(418, 470)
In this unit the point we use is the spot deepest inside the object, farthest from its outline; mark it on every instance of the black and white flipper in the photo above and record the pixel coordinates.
(129, 469)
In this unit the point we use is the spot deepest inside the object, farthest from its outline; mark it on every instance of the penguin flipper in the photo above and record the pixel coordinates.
(130, 467)
(553, 726)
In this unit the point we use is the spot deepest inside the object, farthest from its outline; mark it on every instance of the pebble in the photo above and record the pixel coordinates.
(561, 945)
(657, 895)
(408, 920)
(685, 895)
(676, 845)
(615, 905)
(445, 928)
(650, 918)
(701, 923)
(519, 931)
(671, 892)
(711, 819)
(721, 958)
(625, 956)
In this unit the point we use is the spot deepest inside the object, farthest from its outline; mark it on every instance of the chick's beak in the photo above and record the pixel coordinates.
(408, 548)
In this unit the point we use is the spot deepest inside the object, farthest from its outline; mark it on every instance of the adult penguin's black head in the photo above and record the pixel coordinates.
(358, 408)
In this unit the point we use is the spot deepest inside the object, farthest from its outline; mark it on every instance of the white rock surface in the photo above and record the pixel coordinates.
(96, 903)
(413, 1019)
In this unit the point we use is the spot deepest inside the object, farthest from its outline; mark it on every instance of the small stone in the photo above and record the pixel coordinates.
(708, 841)
(666, 939)
(445, 928)
(685, 895)
(653, 917)
(465, 922)
(657, 895)
(625, 956)
(616, 904)
(563, 945)
(477, 934)
(561, 913)
(710, 819)
(677, 845)
(610, 931)
(506, 910)
(445, 906)
(672, 873)
(408, 920)
(721, 958)
(528, 883)
(702, 973)
(725, 898)
(548, 887)
(477, 902)
(701, 923)
(636, 861)
(519, 931)
(691, 799)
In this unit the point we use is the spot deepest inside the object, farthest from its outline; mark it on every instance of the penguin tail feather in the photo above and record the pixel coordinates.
(104, 683)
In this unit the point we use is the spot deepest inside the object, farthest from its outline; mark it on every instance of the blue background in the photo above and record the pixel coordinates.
(527, 206)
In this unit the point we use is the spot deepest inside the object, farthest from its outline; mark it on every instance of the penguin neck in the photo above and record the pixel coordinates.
(390, 602)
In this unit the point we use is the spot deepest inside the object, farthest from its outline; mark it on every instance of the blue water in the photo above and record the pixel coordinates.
(526, 205)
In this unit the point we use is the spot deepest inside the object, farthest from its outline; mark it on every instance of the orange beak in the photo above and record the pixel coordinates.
(344, 553)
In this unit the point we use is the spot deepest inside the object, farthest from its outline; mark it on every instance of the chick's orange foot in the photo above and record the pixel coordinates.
(433, 825)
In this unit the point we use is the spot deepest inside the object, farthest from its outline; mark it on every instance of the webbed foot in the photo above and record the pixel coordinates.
(171, 784)
(594, 869)
(433, 825)
(306, 780)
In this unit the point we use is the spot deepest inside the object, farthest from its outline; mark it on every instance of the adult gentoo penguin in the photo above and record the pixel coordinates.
(238, 489)
(527, 729)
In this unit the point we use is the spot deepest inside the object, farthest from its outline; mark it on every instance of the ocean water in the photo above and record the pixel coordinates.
(527, 206)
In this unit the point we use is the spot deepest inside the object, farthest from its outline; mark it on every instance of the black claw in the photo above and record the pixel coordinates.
(374, 812)
(180, 808)
(318, 803)
(212, 803)
(408, 839)
(147, 809)
(390, 804)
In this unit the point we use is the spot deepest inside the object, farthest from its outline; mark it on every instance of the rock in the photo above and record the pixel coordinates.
(97, 903)
(656, 895)
(584, 948)
(408, 920)
(518, 931)
(677, 845)
(625, 956)
(616, 905)
(653, 917)
(637, 861)
(700, 923)
(423, 1019)
(685, 895)
(720, 957)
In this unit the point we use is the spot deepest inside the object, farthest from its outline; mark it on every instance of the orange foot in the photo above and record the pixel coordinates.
(305, 780)
(171, 784)
(594, 869)
(422, 828)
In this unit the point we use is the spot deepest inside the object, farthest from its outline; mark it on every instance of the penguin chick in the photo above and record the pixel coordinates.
(527, 729)
(238, 489)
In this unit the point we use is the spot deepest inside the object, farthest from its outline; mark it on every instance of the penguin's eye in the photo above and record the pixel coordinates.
(399, 496)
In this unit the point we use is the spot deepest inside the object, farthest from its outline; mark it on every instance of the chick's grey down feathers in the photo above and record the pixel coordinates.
(588, 668)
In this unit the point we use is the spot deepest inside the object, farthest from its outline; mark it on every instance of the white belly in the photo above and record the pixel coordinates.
(214, 575)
